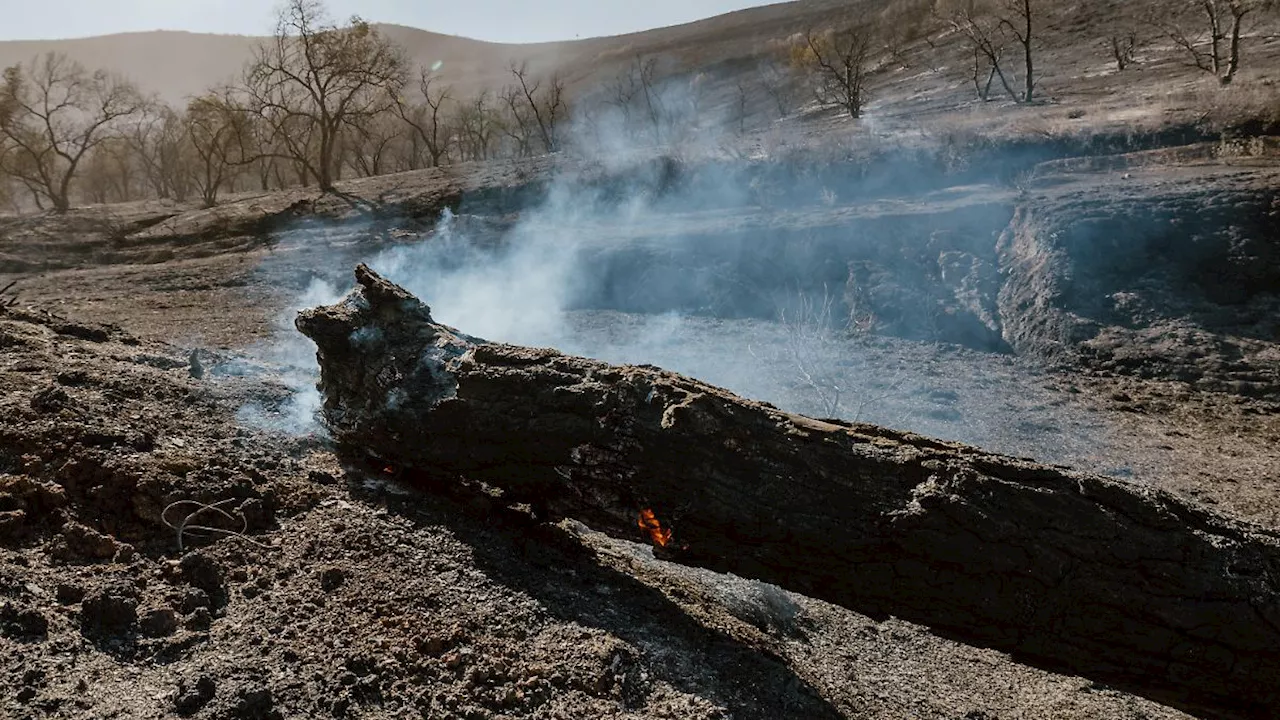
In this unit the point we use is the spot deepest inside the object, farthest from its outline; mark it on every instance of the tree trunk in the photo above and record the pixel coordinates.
(1027, 53)
(1122, 583)
(1215, 35)
(324, 163)
(1233, 61)
(61, 203)
(1004, 81)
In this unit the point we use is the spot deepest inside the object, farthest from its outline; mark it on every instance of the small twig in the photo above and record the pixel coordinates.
(10, 301)
(185, 526)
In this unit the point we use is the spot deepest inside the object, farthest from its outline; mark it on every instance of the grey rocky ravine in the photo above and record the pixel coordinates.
(1116, 581)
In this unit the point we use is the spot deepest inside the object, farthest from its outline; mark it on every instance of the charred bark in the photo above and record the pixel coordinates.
(1116, 581)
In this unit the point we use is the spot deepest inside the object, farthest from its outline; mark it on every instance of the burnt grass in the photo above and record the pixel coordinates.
(1113, 314)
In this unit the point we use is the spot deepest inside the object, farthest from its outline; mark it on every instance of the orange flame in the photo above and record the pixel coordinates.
(649, 523)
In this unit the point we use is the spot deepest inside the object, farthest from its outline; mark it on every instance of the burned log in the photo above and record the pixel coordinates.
(1116, 581)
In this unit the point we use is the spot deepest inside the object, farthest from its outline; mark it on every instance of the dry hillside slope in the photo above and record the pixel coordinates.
(176, 64)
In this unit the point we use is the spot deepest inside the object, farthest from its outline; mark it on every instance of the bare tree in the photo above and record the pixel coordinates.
(839, 62)
(1018, 19)
(779, 83)
(741, 108)
(157, 138)
(812, 348)
(1124, 45)
(653, 99)
(986, 65)
(1214, 45)
(478, 124)
(426, 121)
(640, 99)
(546, 104)
(264, 153)
(622, 92)
(518, 124)
(108, 173)
(371, 144)
(989, 28)
(59, 113)
(315, 80)
(219, 137)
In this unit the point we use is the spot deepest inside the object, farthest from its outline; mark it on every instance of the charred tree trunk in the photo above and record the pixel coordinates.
(1115, 581)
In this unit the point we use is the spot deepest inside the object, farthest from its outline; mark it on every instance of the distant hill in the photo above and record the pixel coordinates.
(922, 83)
(176, 65)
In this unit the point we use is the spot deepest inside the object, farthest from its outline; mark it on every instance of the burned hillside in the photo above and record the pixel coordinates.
(962, 401)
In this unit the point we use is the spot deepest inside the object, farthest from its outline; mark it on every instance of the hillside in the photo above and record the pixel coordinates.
(177, 64)
(922, 80)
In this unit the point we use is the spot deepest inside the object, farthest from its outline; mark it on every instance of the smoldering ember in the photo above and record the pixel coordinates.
(824, 359)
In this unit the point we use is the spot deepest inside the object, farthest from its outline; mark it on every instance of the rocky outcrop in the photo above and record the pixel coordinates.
(1119, 582)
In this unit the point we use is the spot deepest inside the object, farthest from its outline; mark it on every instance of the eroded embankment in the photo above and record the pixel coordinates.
(1165, 273)
(1138, 265)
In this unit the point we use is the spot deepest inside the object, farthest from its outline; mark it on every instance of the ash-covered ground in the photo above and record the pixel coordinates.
(351, 595)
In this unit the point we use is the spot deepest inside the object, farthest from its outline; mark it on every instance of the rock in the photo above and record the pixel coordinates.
(22, 623)
(258, 513)
(192, 599)
(320, 477)
(200, 619)
(68, 594)
(92, 333)
(202, 571)
(81, 542)
(50, 399)
(158, 622)
(331, 579)
(195, 368)
(124, 553)
(25, 500)
(194, 695)
(253, 701)
(109, 610)
(12, 523)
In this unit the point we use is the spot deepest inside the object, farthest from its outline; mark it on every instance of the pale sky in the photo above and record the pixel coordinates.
(494, 20)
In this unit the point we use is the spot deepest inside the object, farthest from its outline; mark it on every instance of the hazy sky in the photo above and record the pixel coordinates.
(496, 20)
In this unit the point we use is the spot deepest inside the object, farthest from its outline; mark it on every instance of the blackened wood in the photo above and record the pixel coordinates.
(1113, 580)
